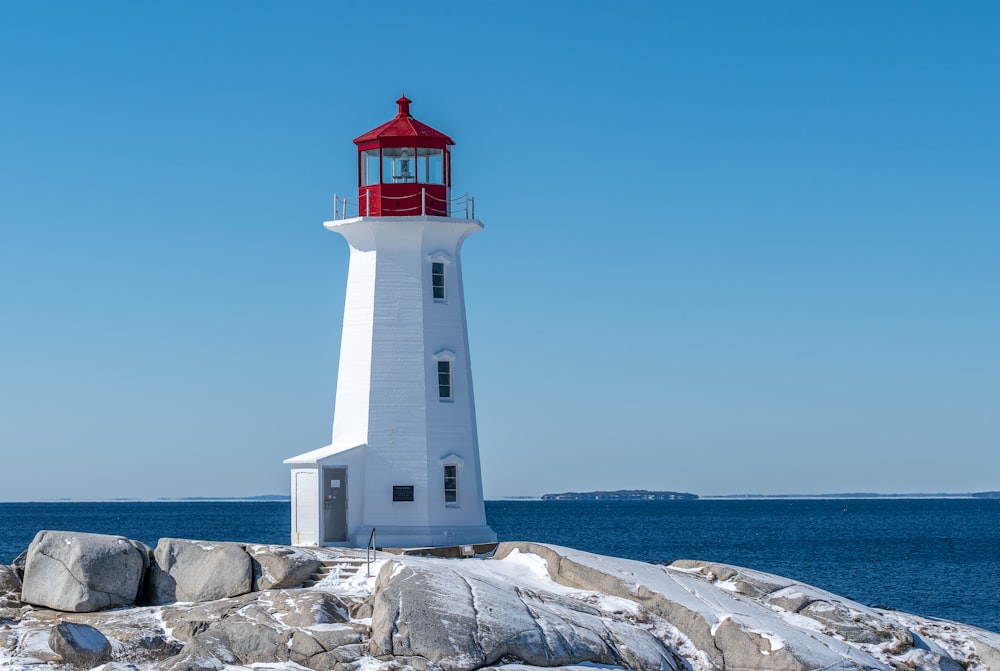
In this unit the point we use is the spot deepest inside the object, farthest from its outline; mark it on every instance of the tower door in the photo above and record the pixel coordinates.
(334, 505)
(305, 525)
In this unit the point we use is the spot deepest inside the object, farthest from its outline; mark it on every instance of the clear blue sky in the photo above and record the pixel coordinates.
(730, 247)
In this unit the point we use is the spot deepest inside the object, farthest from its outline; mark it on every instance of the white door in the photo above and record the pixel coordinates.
(305, 515)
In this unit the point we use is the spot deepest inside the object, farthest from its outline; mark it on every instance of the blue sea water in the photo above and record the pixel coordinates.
(934, 557)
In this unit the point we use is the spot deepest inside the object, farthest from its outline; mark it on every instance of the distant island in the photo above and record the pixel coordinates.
(621, 495)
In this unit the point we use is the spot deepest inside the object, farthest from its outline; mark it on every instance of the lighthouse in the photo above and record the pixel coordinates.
(404, 458)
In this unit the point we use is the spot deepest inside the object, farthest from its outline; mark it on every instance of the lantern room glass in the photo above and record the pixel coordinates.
(398, 165)
(430, 166)
(403, 165)
(369, 167)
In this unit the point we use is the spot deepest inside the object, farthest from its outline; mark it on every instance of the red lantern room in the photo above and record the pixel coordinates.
(404, 168)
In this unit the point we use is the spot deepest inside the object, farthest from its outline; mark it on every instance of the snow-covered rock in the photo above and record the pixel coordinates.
(79, 645)
(277, 609)
(460, 617)
(278, 567)
(185, 570)
(532, 606)
(80, 572)
(263, 627)
(734, 617)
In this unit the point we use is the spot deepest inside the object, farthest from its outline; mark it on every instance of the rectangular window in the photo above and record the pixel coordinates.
(369, 167)
(444, 379)
(430, 166)
(437, 280)
(451, 484)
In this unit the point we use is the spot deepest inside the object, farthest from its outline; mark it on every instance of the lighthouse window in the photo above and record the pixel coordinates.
(451, 484)
(437, 280)
(430, 166)
(398, 165)
(444, 379)
(369, 167)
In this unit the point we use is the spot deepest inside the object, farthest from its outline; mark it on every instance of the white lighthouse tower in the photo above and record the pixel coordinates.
(404, 459)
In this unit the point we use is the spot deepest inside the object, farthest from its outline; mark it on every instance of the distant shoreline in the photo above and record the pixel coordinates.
(575, 496)
(641, 495)
(857, 495)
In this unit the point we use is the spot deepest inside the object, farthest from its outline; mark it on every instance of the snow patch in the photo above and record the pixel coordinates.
(775, 641)
(519, 568)
(729, 585)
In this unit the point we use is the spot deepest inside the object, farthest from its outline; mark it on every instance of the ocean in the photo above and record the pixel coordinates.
(933, 557)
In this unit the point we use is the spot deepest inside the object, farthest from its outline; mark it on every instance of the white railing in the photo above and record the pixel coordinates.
(416, 204)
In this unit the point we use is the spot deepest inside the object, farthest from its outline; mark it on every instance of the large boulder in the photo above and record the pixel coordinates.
(459, 617)
(79, 645)
(79, 572)
(733, 631)
(184, 570)
(280, 567)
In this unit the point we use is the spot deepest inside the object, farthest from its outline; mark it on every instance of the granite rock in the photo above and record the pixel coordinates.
(279, 567)
(531, 607)
(79, 645)
(459, 621)
(79, 572)
(194, 571)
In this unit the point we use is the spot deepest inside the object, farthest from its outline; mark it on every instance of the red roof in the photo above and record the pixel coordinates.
(403, 125)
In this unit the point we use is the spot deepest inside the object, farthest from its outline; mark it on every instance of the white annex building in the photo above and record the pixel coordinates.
(404, 459)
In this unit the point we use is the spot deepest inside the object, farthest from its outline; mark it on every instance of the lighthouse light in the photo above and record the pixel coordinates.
(405, 170)
(398, 165)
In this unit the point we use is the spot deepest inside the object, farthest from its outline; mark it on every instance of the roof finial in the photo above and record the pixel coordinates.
(404, 106)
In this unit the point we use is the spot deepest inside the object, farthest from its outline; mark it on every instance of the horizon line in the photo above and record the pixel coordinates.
(281, 498)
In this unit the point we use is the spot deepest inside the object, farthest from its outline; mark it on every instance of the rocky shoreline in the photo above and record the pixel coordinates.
(86, 601)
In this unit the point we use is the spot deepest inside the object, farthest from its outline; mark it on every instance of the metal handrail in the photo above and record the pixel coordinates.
(464, 204)
(370, 552)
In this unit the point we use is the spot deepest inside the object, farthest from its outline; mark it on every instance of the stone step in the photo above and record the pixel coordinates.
(342, 567)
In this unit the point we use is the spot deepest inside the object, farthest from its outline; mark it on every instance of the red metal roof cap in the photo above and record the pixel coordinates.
(404, 106)
(403, 125)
